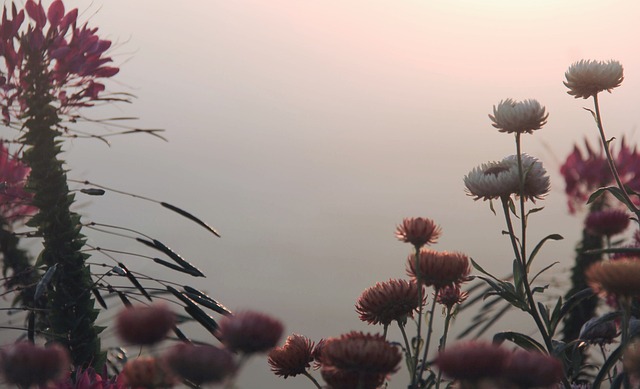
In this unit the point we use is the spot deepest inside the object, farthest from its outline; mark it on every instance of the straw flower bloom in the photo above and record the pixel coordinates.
(250, 332)
(536, 180)
(473, 360)
(346, 379)
(619, 277)
(388, 301)
(492, 180)
(357, 351)
(595, 331)
(607, 222)
(200, 363)
(418, 231)
(519, 116)
(25, 364)
(451, 295)
(529, 369)
(293, 358)
(439, 268)
(146, 372)
(144, 325)
(587, 78)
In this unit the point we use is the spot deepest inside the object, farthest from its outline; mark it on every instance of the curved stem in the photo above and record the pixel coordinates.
(408, 352)
(309, 376)
(612, 166)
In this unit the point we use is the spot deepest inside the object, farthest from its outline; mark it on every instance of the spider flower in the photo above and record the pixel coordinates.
(418, 231)
(14, 199)
(293, 358)
(388, 301)
(519, 116)
(587, 78)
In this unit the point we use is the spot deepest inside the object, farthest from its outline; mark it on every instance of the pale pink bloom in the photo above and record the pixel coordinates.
(587, 78)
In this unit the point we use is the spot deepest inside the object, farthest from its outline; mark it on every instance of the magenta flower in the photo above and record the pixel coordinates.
(73, 56)
(584, 172)
(15, 201)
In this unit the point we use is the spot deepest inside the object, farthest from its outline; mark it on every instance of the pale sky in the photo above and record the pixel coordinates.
(304, 131)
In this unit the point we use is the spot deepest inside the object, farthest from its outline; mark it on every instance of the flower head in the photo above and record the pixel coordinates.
(439, 268)
(144, 324)
(250, 332)
(14, 199)
(418, 231)
(146, 372)
(607, 222)
(519, 116)
(388, 301)
(492, 180)
(25, 364)
(472, 360)
(587, 78)
(451, 295)
(584, 172)
(347, 379)
(361, 352)
(619, 277)
(536, 179)
(529, 369)
(293, 358)
(200, 363)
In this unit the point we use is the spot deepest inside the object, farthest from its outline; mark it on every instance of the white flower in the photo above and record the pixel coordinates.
(586, 78)
(492, 180)
(519, 116)
(536, 180)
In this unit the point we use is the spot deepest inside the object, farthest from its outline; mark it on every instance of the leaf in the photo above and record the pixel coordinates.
(190, 217)
(555, 317)
(93, 191)
(134, 281)
(534, 210)
(175, 267)
(171, 254)
(543, 270)
(539, 246)
(44, 282)
(616, 192)
(574, 300)
(614, 357)
(99, 298)
(544, 313)
(522, 340)
(206, 301)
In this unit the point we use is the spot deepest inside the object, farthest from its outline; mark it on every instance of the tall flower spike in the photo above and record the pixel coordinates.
(519, 116)
(587, 78)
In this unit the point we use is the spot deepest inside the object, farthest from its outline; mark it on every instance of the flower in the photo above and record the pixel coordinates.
(492, 180)
(584, 173)
(144, 325)
(596, 331)
(472, 360)
(587, 78)
(451, 295)
(536, 180)
(317, 352)
(250, 332)
(14, 199)
(418, 231)
(72, 54)
(388, 301)
(607, 222)
(88, 379)
(146, 372)
(519, 116)
(346, 379)
(439, 268)
(200, 363)
(528, 369)
(25, 364)
(619, 277)
(357, 351)
(293, 358)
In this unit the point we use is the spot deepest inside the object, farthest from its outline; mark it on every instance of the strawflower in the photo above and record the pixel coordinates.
(418, 231)
(439, 268)
(293, 358)
(250, 332)
(492, 180)
(619, 277)
(347, 379)
(472, 360)
(536, 179)
(587, 78)
(451, 295)
(146, 372)
(528, 369)
(389, 301)
(519, 116)
(25, 364)
(357, 351)
(200, 363)
(607, 222)
(144, 325)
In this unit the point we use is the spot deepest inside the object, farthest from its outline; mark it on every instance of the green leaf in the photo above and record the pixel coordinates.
(190, 217)
(574, 300)
(543, 270)
(555, 317)
(522, 340)
(534, 210)
(539, 246)
(616, 192)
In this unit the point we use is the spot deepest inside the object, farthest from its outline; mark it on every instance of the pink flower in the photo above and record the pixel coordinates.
(584, 172)
(472, 360)
(439, 268)
(15, 201)
(250, 332)
(357, 351)
(529, 369)
(388, 301)
(418, 231)
(200, 364)
(451, 295)
(26, 364)
(293, 358)
(144, 325)
(607, 222)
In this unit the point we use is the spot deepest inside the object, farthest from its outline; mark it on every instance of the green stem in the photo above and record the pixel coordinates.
(414, 376)
(443, 342)
(309, 376)
(612, 166)
(429, 332)
(408, 348)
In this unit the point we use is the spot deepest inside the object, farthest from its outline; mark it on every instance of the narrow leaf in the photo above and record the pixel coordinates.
(99, 298)
(176, 267)
(539, 246)
(522, 340)
(190, 217)
(206, 301)
(93, 191)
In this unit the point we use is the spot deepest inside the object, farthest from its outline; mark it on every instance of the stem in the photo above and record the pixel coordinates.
(429, 332)
(384, 331)
(414, 376)
(309, 376)
(408, 348)
(612, 165)
(443, 342)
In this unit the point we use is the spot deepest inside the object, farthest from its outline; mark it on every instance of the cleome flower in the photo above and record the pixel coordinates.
(250, 332)
(439, 268)
(293, 358)
(388, 301)
(587, 78)
(14, 199)
(619, 277)
(519, 116)
(418, 231)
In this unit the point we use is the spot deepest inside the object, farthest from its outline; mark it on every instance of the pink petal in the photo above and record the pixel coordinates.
(55, 13)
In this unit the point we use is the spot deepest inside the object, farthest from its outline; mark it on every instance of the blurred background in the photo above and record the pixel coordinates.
(305, 131)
